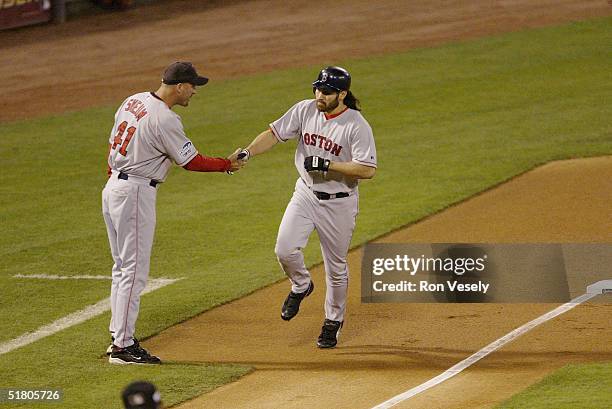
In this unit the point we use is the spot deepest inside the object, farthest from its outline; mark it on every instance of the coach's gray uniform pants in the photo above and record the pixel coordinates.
(128, 207)
(334, 221)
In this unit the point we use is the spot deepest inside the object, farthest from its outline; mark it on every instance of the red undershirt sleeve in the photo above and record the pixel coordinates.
(207, 164)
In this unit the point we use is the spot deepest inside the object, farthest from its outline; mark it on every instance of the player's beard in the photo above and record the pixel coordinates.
(327, 108)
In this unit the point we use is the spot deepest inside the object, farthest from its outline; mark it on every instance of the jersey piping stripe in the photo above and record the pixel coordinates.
(275, 132)
(127, 307)
(328, 117)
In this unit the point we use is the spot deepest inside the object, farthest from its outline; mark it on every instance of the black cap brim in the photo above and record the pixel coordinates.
(199, 81)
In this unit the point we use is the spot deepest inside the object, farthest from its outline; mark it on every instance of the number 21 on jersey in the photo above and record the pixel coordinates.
(123, 142)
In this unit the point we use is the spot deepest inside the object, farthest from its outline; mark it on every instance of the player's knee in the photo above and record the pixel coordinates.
(338, 281)
(337, 277)
(286, 254)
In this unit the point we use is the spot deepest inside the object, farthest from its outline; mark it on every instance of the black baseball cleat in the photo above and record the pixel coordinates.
(134, 354)
(291, 306)
(329, 334)
(109, 350)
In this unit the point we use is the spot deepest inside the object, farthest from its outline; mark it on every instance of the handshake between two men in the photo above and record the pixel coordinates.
(263, 143)
(241, 156)
(238, 159)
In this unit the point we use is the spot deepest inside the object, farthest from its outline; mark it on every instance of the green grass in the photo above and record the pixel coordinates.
(75, 364)
(449, 122)
(30, 304)
(571, 387)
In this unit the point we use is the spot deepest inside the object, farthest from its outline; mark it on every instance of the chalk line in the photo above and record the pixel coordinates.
(493, 346)
(74, 318)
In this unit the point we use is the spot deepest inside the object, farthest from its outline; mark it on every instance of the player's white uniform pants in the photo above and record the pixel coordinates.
(334, 221)
(128, 207)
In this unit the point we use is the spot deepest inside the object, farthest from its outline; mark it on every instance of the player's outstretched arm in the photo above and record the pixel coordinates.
(262, 143)
(201, 163)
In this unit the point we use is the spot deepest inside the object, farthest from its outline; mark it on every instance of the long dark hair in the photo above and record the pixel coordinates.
(352, 102)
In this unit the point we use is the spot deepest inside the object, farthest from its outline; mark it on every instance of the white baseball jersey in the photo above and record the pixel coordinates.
(341, 138)
(344, 137)
(147, 137)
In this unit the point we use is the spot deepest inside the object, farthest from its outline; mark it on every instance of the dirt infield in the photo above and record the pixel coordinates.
(389, 348)
(101, 59)
(385, 349)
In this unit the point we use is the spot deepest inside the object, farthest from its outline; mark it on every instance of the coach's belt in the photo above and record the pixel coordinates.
(125, 176)
(327, 196)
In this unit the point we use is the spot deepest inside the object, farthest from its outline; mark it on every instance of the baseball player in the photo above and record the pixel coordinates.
(335, 149)
(146, 139)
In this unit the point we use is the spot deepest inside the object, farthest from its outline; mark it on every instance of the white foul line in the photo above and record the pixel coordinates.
(511, 336)
(74, 318)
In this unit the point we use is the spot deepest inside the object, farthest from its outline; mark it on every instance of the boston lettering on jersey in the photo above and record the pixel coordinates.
(324, 143)
(137, 108)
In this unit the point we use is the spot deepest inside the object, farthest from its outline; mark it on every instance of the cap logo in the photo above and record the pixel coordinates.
(324, 77)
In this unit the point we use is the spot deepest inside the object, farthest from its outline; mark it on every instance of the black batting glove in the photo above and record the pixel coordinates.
(316, 163)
